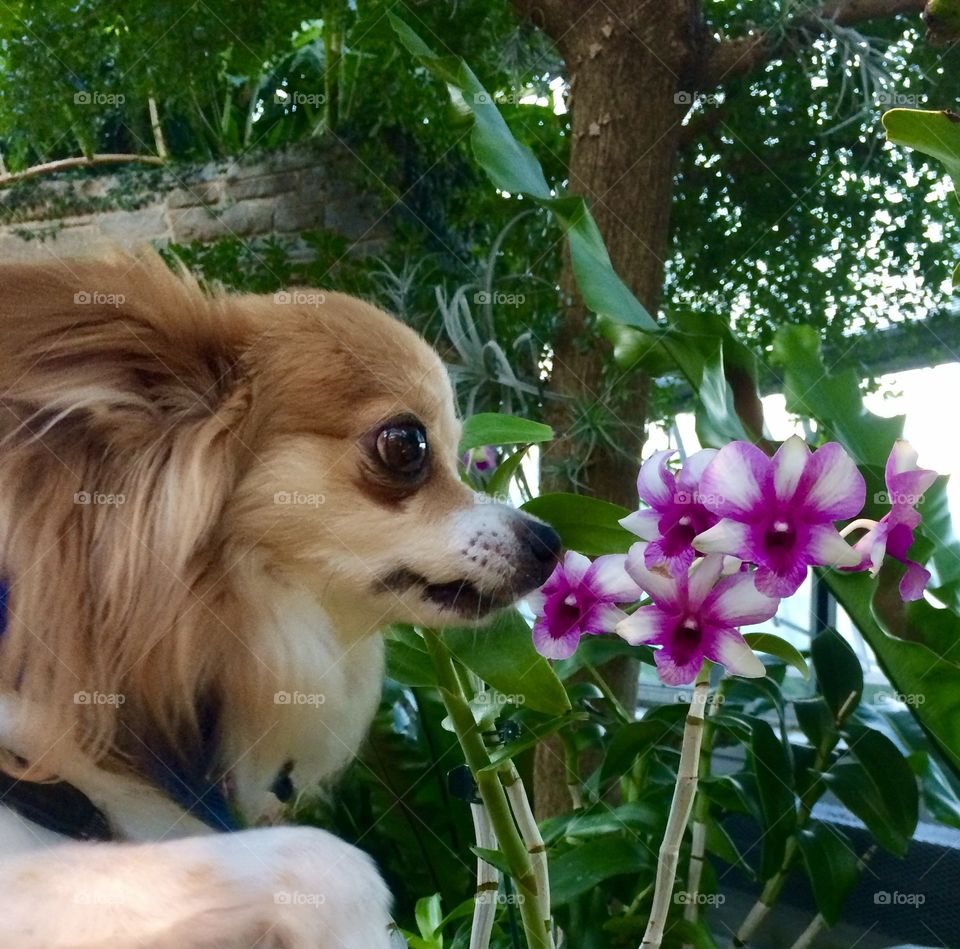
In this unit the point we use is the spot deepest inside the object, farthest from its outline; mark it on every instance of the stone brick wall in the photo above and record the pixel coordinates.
(280, 194)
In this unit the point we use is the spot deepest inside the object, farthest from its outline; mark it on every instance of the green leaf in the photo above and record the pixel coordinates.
(875, 783)
(499, 484)
(832, 866)
(934, 133)
(502, 654)
(717, 420)
(409, 665)
(428, 915)
(492, 428)
(512, 167)
(940, 794)
(913, 668)
(816, 722)
(631, 740)
(721, 844)
(494, 857)
(603, 819)
(774, 774)
(775, 646)
(580, 869)
(831, 396)
(839, 675)
(588, 525)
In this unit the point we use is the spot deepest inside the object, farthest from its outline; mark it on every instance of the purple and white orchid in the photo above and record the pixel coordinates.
(779, 512)
(694, 616)
(676, 513)
(483, 459)
(776, 515)
(580, 598)
(893, 534)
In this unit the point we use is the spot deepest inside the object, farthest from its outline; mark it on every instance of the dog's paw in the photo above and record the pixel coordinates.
(326, 893)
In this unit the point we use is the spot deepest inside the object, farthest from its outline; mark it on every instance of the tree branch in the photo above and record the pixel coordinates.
(62, 164)
(739, 55)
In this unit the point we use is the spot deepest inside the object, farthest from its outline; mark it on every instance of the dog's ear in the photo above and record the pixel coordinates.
(99, 340)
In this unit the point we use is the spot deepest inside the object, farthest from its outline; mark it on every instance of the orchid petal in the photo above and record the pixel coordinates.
(730, 649)
(733, 482)
(656, 555)
(903, 457)
(914, 581)
(656, 484)
(535, 600)
(727, 537)
(788, 466)
(673, 673)
(608, 579)
(781, 583)
(603, 618)
(575, 567)
(645, 524)
(835, 489)
(665, 590)
(649, 624)
(555, 647)
(703, 577)
(827, 548)
(736, 601)
(688, 480)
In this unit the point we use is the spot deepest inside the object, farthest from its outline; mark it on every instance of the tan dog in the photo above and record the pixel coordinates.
(209, 505)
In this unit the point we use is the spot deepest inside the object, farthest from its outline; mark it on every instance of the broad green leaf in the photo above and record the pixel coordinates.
(512, 167)
(940, 794)
(839, 675)
(722, 845)
(598, 650)
(774, 774)
(934, 133)
(579, 869)
(717, 419)
(603, 819)
(816, 722)
(492, 428)
(832, 867)
(586, 524)
(832, 397)
(875, 782)
(630, 741)
(913, 668)
(775, 646)
(502, 654)
(409, 665)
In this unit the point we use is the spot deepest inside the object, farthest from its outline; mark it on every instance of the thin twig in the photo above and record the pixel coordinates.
(157, 129)
(680, 808)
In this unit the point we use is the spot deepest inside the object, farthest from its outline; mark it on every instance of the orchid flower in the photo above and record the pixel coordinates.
(893, 534)
(481, 459)
(579, 599)
(676, 513)
(779, 512)
(695, 615)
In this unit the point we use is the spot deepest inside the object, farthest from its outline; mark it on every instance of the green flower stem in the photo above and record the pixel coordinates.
(608, 694)
(491, 789)
(680, 809)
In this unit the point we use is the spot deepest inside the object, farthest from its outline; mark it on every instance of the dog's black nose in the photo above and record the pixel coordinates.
(544, 542)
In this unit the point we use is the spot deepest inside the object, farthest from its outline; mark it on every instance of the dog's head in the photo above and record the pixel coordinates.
(311, 427)
(355, 481)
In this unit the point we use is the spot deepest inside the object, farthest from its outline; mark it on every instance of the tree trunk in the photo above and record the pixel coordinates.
(625, 62)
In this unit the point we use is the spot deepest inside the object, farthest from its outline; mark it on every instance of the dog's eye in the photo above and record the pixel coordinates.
(402, 448)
